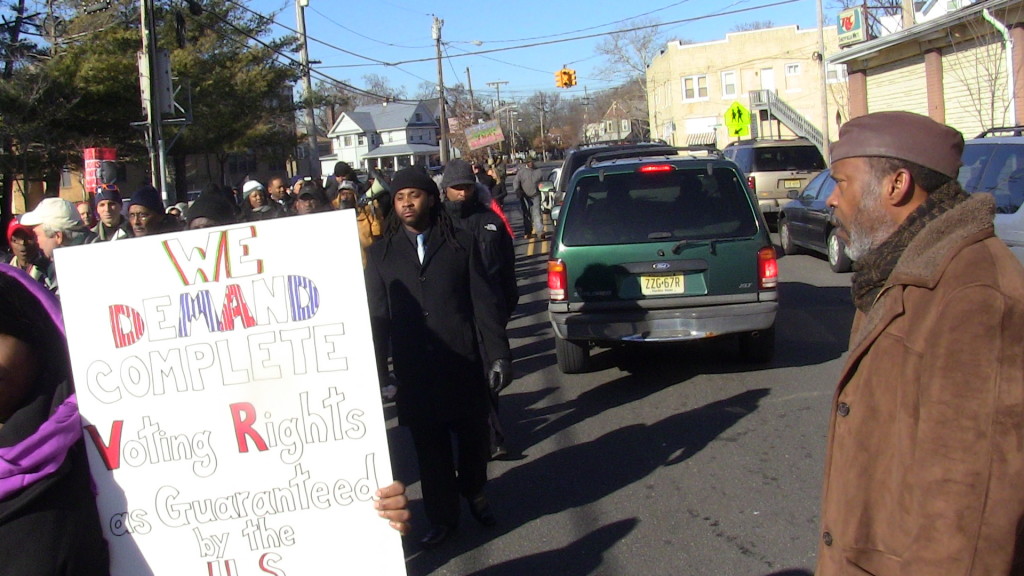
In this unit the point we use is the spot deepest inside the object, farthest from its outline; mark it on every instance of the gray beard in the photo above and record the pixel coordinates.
(870, 227)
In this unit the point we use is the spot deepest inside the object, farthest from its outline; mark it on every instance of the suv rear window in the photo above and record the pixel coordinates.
(780, 158)
(997, 169)
(678, 204)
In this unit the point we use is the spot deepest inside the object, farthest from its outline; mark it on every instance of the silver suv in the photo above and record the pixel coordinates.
(994, 163)
(774, 168)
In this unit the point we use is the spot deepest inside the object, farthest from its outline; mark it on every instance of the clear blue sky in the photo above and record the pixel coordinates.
(383, 36)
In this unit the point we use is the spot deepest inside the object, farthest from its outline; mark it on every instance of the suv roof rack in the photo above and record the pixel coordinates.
(666, 150)
(1002, 131)
(751, 141)
(623, 153)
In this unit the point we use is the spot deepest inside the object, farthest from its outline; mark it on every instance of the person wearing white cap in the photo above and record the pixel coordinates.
(256, 204)
(56, 223)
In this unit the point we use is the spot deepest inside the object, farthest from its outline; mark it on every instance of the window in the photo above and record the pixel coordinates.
(419, 117)
(695, 88)
(348, 141)
(362, 139)
(729, 86)
(65, 178)
(793, 76)
(835, 72)
(391, 137)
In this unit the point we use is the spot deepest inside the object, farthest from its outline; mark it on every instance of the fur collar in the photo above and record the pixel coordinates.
(927, 255)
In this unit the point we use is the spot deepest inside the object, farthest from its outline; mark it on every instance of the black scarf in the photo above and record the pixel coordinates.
(871, 272)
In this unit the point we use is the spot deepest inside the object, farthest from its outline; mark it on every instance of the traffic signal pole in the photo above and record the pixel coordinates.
(157, 165)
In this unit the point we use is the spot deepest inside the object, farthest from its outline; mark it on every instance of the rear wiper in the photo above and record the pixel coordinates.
(712, 243)
(678, 247)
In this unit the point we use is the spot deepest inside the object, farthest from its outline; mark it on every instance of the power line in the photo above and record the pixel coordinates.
(331, 79)
(594, 27)
(587, 36)
(321, 42)
(370, 38)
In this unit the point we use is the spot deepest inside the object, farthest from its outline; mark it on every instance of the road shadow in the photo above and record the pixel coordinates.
(582, 557)
(639, 449)
(813, 324)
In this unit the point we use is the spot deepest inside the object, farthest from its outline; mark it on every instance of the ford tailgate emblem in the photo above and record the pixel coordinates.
(662, 266)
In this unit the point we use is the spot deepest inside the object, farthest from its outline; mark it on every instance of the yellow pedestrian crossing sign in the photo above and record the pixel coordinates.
(737, 120)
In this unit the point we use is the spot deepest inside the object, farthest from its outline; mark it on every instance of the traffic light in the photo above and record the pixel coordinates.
(571, 74)
(559, 79)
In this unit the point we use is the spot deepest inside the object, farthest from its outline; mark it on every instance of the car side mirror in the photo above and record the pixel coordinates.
(793, 194)
(545, 187)
(554, 212)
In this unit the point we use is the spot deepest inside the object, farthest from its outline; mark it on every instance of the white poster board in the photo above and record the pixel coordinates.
(227, 383)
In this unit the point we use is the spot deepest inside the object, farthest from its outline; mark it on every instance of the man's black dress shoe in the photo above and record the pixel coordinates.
(480, 508)
(438, 534)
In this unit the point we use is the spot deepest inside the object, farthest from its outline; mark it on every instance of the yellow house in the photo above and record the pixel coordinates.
(691, 86)
(951, 68)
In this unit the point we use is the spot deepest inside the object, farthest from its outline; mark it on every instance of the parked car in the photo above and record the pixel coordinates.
(806, 223)
(994, 163)
(774, 168)
(660, 248)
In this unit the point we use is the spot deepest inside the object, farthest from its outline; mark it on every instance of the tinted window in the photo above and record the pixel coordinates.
(997, 169)
(820, 187)
(637, 207)
(742, 156)
(779, 158)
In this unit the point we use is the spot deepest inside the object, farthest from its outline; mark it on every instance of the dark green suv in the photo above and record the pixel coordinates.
(660, 248)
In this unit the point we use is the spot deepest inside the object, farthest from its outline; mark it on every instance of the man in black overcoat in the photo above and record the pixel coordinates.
(432, 305)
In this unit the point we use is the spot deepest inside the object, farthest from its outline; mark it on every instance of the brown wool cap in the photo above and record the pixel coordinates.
(904, 136)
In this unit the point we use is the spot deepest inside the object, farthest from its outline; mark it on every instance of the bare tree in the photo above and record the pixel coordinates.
(979, 68)
(755, 25)
(628, 54)
(426, 90)
(379, 88)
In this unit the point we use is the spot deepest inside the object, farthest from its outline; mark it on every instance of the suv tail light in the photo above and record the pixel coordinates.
(752, 184)
(557, 280)
(767, 269)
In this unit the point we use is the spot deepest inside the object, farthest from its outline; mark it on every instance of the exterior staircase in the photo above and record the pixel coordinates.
(778, 109)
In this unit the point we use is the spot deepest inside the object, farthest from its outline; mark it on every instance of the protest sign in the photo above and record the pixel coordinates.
(228, 389)
(484, 134)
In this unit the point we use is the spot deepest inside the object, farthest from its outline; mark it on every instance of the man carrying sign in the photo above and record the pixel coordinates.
(430, 301)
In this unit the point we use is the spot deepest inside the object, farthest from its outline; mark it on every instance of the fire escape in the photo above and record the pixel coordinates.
(772, 109)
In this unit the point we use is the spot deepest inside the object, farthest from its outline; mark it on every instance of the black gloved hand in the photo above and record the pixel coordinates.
(500, 375)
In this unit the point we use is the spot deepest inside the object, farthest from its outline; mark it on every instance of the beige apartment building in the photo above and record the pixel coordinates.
(775, 73)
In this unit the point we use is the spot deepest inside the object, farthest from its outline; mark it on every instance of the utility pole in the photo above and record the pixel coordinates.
(148, 63)
(826, 145)
(543, 136)
(307, 86)
(435, 32)
(497, 87)
(586, 110)
(472, 105)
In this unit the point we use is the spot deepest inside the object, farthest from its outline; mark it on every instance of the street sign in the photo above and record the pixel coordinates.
(737, 120)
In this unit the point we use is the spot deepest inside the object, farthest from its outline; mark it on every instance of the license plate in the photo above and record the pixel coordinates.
(791, 183)
(661, 285)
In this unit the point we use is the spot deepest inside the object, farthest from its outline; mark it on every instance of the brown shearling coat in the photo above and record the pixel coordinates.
(925, 467)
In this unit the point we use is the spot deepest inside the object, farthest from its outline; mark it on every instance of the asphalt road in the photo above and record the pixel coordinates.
(673, 460)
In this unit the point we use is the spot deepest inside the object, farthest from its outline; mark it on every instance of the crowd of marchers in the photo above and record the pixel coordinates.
(439, 263)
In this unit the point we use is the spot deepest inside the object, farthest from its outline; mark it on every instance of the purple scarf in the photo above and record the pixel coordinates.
(40, 454)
